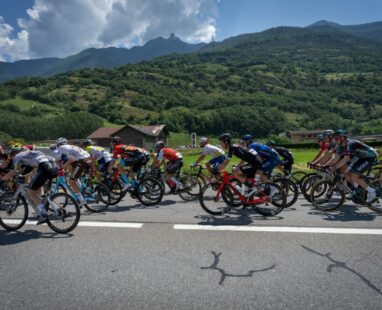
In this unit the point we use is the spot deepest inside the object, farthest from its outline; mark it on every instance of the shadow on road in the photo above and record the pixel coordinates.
(15, 237)
(338, 264)
(224, 274)
(235, 217)
(348, 213)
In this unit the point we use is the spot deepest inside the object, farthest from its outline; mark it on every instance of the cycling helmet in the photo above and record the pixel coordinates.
(116, 140)
(225, 137)
(203, 141)
(87, 142)
(247, 138)
(271, 143)
(61, 141)
(159, 145)
(320, 137)
(15, 149)
(53, 147)
(340, 133)
(328, 133)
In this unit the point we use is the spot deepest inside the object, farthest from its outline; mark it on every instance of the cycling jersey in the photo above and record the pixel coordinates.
(264, 151)
(284, 152)
(99, 153)
(169, 154)
(72, 152)
(212, 150)
(324, 146)
(29, 158)
(127, 151)
(247, 155)
(355, 148)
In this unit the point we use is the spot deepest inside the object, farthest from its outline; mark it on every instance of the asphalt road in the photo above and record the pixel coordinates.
(158, 266)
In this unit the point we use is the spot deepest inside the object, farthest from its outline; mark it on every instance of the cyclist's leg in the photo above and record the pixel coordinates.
(172, 167)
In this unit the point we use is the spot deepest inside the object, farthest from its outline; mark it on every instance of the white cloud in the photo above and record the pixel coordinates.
(60, 28)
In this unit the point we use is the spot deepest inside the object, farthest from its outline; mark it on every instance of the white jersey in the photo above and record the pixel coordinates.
(212, 150)
(72, 152)
(55, 154)
(30, 159)
(99, 153)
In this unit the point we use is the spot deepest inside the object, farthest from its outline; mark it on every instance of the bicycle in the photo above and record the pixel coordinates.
(96, 195)
(330, 194)
(63, 212)
(216, 198)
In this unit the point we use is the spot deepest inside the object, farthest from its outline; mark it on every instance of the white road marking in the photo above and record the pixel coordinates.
(286, 229)
(88, 224)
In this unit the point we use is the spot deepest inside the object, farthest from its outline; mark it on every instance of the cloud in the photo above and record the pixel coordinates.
(60, 28)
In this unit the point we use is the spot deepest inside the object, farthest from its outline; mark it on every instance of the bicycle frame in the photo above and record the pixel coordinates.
(226, 181)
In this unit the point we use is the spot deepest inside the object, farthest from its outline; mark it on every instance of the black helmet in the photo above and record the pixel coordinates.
(271, 143)
(225, 137)
(247, 138)
(116, 140)
(159, 145)
(341, 133)
(87, 142)
(61, 141)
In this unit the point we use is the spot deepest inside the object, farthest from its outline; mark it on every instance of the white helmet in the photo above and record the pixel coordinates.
(53, 147)
(61, 141)
(203, 141)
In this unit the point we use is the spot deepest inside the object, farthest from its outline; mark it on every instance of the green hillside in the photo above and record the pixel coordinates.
(265, 83)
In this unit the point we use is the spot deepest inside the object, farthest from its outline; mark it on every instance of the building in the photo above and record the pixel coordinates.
(303, 135)
(145, 136)
(369, 138)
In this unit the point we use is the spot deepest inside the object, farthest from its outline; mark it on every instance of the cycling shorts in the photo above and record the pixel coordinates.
(249, 170)
(270, 164)
(79, 167)
(173, 166)
(362, 165)
(45, 172)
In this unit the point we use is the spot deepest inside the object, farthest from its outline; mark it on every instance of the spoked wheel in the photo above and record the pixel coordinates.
(149, 192)
(297, 176)
(190, 188)
(13, 212)
(214, 203)
(63, 213)
(290, 189)
(275, 196)
(307, 185)
(376, 204)
(326, 195)
(97, 197)
(229, 196)
(115, 189)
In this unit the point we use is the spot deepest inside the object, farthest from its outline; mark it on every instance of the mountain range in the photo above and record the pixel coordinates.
(97, 58)
(281, 79)
(114, 57)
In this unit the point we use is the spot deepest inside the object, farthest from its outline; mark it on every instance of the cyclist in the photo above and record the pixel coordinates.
(175, 162)
(324, 145)
(131, 156)
(27, 161)
(269, 157)
(356, 158)
(216, 152)
(287, 156)
(250, 165)
(75, 160)
(101, 159)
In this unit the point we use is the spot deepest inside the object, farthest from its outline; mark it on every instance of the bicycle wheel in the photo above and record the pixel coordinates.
(97, 197)
(276, 196)
(190, 188)
(297, 176)
(376, 204)
(213, 203)
(115, 189)
(63, 213)
(304, 178)
(13, 212)
(326, 195)
(308, 184)
(290, 190)
(149, 192)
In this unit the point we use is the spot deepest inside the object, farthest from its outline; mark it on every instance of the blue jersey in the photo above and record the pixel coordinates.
(265, 152)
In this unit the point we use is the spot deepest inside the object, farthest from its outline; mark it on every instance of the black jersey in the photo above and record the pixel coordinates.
(249, 156)
(283, 152)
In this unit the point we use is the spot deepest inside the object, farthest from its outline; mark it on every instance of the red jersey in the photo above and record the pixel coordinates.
(126, 151)
(169, 154)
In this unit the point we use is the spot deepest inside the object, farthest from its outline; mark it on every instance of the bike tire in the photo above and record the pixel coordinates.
(149, 192)
(97, 197)
(190, 188)
(278, 201)
(54, 220)
(21, 204)
(210, 203)
(308, 184)
(290, 189)
(322, 196)
(376, 205)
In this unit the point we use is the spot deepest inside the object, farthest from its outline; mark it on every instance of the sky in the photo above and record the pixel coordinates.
(58, 28)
